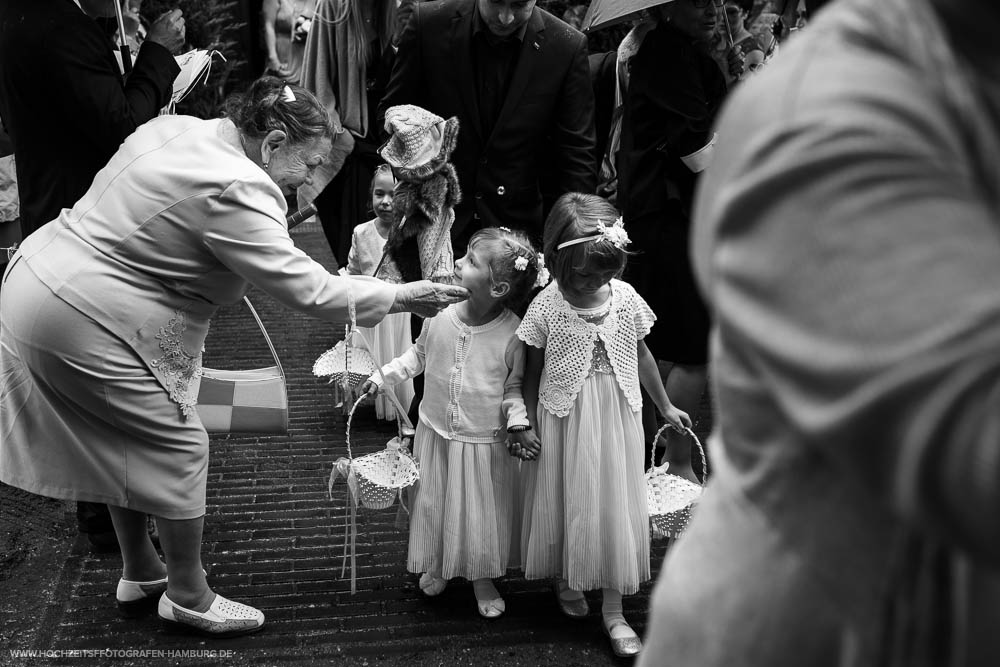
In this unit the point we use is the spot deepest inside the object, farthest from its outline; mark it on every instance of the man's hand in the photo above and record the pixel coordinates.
(168, 31)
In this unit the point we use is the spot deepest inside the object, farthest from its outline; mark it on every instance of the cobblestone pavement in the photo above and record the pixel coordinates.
(274, 539)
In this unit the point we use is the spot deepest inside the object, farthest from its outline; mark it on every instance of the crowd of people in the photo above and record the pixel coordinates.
(551, 248)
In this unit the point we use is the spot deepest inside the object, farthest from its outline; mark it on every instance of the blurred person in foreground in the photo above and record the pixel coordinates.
(106, 308)
(849, 245)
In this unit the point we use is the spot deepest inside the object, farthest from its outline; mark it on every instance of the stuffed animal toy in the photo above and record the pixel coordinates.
(419, 148)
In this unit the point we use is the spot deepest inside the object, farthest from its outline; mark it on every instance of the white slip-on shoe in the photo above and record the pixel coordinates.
(136, 598)
(224, 618)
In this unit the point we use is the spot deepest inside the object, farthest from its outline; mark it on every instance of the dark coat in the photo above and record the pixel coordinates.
(602, 78)
(543, 140)
(674, 93)
(63, 101)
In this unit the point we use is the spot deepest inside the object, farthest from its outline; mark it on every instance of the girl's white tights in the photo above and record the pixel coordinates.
(485, 590)
(614, 619)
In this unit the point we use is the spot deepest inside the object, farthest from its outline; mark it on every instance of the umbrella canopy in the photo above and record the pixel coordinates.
(604, 13)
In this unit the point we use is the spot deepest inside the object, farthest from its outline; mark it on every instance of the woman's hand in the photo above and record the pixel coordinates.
(426, 298)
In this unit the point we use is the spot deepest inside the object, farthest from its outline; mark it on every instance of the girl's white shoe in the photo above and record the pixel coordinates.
(224, 618)
(488, 600)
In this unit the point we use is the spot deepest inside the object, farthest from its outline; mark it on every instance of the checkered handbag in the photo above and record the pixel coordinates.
(670, 497)
(245, 401)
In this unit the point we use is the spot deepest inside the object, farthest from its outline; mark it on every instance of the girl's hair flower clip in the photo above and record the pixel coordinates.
(521, 263)
(543, 273)
(614, 234)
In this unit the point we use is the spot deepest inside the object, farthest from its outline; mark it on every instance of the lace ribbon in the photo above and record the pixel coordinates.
(342, 468)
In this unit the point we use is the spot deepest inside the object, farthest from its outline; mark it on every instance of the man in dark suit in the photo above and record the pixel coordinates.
(67, 110)
(62, 98)
(518, 80)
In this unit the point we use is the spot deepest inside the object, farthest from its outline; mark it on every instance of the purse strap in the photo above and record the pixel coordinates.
(267, 338)
(686, 431)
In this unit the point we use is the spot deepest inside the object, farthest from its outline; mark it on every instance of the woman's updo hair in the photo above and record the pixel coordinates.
(513, 260)
(272, 104)
(576, 215)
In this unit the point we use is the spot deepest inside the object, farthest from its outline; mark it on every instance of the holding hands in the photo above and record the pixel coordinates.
(524, 445)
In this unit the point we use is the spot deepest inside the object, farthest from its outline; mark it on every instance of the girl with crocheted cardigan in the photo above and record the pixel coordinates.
(463, 516)
(585, 516)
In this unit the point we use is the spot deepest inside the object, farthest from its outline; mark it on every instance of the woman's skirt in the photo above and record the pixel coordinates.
(83, 418)
(585, 514)
(463, 518)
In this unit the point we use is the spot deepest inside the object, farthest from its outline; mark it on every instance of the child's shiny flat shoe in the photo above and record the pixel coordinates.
(136, 598)
(572, 607)
(491, 608)
(224, 618)
(626, 645)
(432, 585)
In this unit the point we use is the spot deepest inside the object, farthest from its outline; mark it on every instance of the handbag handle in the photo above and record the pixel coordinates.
(686, 431)
(267, 338)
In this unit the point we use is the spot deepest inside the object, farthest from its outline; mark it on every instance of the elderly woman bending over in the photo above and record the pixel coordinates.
(105, 311)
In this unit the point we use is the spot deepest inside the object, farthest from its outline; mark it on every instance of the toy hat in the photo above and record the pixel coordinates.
(420, 141)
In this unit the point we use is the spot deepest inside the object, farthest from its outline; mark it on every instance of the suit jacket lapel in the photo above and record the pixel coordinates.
(462, 59)
(531, 50)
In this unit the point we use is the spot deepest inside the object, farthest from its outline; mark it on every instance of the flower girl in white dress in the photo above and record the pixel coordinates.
(464, 515)
(585, 516)
(392, 336)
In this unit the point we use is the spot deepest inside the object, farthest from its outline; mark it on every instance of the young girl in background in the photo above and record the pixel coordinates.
(392, 336)
(585, 515)
(462, 517)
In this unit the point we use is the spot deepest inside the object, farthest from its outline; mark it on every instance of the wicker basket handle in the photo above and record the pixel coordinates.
(350, 417)
(267, 338)
(686, 431)
(403, 418)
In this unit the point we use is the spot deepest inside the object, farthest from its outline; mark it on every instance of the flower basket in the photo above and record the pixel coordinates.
(671, 498)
